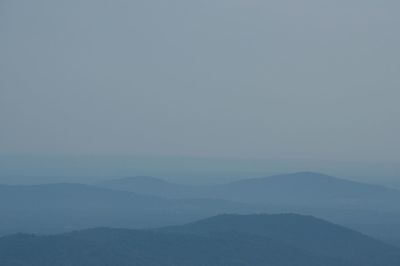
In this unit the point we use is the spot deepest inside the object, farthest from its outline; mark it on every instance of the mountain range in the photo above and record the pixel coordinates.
(146, 202)
(52, 208)
(373, 209)
(298, 189)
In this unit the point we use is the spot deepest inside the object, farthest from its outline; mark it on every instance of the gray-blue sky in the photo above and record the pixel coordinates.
(301, 79)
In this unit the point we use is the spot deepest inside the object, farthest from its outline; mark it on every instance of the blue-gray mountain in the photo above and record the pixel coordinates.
(64, 207)
(298, 189)
(372, 209)
(256, 240)
(144, 202)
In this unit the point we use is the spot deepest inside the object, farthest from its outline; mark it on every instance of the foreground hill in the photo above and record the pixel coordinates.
(256, 240)
(304, 232)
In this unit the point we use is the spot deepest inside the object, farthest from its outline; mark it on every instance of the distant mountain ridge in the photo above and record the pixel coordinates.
(372, 209)
(311, 188)
(63, 207)
(144, 202)
(303, 188)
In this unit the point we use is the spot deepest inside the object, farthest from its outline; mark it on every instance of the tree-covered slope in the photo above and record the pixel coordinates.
(227, 240)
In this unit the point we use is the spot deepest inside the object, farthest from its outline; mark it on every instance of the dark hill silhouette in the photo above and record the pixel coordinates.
(304, 232)
(256, 240)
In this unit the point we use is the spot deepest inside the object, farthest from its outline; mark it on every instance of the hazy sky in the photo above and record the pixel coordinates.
(284, 79)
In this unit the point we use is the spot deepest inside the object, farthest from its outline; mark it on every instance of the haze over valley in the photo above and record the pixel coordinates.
(199, 133)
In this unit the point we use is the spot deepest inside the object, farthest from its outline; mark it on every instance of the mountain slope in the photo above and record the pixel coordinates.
(65, 207)
(309, 188)
(218, 241)
(304, 232)
(306, 189)
(109, 247)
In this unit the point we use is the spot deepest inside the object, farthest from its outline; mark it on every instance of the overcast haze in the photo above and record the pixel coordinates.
(287, 79)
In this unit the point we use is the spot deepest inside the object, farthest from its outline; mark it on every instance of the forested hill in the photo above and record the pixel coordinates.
(256, 240)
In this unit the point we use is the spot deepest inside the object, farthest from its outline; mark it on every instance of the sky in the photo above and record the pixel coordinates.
(279, 79)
